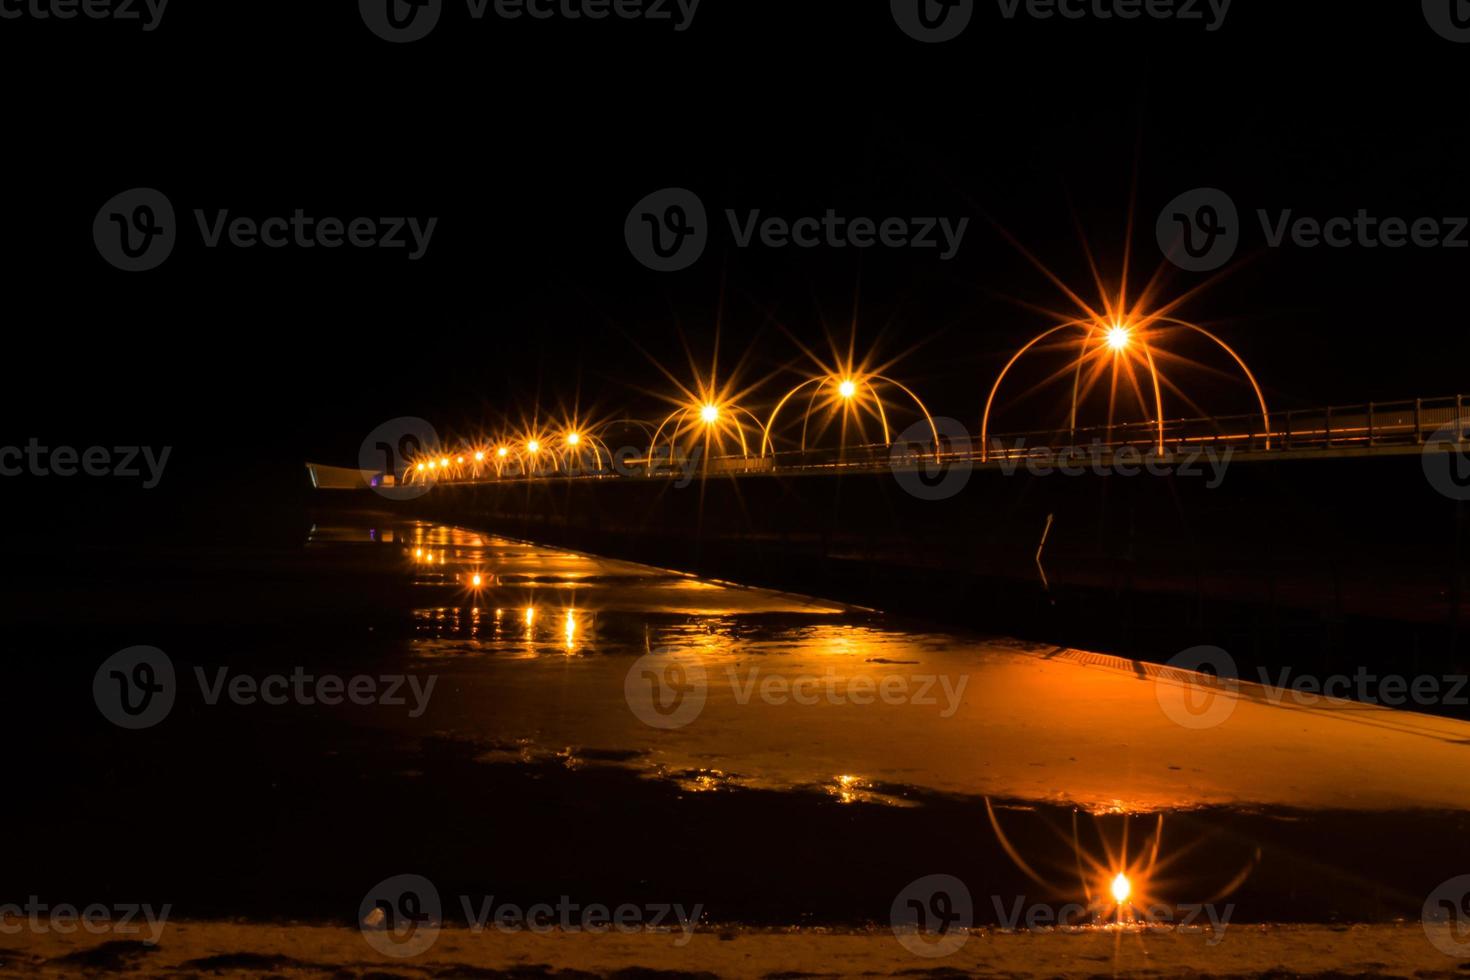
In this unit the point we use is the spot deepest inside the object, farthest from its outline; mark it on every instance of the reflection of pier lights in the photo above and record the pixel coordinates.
(1120, 339)
(848, 396)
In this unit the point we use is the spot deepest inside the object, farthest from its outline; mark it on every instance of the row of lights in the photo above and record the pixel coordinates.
(502, 453)
(715, 415)
(709, 413)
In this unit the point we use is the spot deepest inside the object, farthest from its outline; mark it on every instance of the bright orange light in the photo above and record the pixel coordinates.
(475, 580)
(432, 464)
(1118, 337)
(710, 414)
(1121, 888)
(444, 462)
(572, 439)
(502, 452)
(420, 467)
(534, 446)
(418, 552)
(479, 457)
(570, 628)
(530, 615)
(847, 389)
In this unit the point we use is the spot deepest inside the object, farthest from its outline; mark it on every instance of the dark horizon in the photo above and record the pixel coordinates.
(527, 293)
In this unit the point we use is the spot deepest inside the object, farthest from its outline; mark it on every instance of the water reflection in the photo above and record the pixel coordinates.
(803, 693)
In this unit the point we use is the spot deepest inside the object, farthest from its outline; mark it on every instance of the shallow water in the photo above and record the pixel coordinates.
(802, 693)
(576, 726)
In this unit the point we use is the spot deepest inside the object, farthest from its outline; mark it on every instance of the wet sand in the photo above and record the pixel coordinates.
(234, 949)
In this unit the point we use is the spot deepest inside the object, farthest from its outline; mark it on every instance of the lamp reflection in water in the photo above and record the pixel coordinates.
(1121, 887)
(569, 631)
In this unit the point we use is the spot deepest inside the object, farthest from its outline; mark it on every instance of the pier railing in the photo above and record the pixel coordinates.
(1333, 429)
(1367, 425)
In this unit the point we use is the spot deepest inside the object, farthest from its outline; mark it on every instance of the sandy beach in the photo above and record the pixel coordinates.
(239, 950)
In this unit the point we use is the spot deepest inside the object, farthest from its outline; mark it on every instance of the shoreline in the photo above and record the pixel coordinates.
(307, 951)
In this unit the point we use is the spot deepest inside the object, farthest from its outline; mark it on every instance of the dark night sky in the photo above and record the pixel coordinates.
(531, 141)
